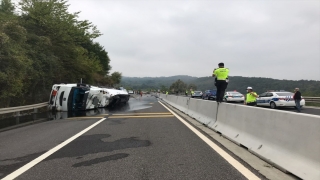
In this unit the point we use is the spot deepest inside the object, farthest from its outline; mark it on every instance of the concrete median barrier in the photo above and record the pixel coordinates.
(183, 104)
(179, 102)
(171, 99)
(203, 111)
(288, 140)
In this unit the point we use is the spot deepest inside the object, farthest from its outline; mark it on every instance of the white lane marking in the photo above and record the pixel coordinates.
(26, 167)
(243, 170)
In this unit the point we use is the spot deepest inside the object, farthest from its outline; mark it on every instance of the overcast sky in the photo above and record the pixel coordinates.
(276, 39)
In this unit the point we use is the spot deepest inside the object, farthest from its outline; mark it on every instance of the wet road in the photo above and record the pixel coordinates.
(141, 140)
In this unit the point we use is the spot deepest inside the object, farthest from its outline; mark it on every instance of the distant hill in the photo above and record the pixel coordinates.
(239, 83)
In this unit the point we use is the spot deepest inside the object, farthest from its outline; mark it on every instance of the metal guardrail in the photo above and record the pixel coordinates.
(312, 99)
(22, 108)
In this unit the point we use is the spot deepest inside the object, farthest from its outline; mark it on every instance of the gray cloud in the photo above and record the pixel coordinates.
(277, 39)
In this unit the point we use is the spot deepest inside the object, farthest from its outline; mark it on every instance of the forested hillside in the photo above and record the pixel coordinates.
(308, 88)
(152, 82)
(41, 43)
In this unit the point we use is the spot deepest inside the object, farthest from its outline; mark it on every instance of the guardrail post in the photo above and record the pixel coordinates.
(17, 117)
(35, 111)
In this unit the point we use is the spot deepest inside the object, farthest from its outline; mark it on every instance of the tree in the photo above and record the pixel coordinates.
(163, 88)
(13, 60)
(116, 78)
(178, 86)
(192, 86)
(6, 7)
(46, 44)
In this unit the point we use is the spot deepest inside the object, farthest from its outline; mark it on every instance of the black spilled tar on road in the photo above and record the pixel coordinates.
(100, 143)
(6, 165)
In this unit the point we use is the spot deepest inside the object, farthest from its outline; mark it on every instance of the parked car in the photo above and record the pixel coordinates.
(233, 96)
(209, 94)
(130, 92)
(197, 94)
(278, 99)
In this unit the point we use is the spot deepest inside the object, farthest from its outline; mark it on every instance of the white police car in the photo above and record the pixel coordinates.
(276, 99)
(233, 96)
(196, 94)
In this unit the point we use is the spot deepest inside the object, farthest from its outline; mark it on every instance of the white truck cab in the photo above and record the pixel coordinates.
(68, 97)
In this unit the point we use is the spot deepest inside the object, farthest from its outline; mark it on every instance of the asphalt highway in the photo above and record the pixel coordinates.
(142, 140)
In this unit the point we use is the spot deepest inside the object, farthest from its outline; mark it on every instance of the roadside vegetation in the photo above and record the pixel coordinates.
(42, 43)
(312, 104)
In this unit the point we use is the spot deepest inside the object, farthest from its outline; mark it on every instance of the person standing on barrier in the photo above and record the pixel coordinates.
(251, 97)
(221, 74)
(297, 99)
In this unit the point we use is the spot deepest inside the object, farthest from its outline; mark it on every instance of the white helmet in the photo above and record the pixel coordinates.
(249, 88)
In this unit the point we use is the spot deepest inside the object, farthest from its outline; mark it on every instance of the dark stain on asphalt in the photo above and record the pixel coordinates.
(91, 144)
(113, 157)
(115, 121)
(7, 166)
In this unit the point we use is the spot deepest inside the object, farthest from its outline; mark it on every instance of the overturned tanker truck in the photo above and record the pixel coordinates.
(80, 97)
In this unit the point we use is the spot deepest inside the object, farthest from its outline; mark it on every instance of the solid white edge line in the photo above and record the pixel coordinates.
(26, 167)
(243, 170)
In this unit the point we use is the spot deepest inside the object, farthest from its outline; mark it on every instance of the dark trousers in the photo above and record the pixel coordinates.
(298, 106)
(221, 88)
(252, 104)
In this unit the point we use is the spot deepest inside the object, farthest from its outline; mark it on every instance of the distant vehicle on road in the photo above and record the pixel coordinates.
(197, 94)
(278, 99)
(233, 96)
(209, 94)
(130, 92)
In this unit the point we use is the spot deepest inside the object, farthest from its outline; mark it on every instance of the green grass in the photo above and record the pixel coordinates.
(312, 104)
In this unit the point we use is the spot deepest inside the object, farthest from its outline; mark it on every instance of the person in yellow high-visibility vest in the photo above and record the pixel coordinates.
(167, 93)
(251, 97)
(221, 74)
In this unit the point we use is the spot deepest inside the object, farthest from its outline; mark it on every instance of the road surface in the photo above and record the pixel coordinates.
(143, 140)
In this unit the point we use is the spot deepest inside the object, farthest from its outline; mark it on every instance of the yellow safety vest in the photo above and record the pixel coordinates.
(167, 92)
(250, 98)
(221, 73)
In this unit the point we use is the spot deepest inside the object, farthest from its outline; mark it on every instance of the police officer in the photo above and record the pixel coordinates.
(186, 92)
(221, 74)
(192, 92)
(251, 97)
